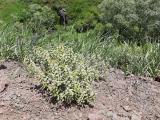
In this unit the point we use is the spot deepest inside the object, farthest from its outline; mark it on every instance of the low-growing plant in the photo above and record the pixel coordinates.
(65, 74)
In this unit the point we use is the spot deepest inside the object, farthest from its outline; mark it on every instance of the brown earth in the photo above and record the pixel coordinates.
(117, 98)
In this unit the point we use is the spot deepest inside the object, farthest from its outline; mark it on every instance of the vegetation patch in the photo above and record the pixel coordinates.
(65, 74)
(132, 19)
(10, 8)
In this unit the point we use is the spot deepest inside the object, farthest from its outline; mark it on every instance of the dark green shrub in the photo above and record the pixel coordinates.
(38, 18)
(83, 26)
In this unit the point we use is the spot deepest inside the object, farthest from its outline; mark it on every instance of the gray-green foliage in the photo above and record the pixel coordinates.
(65, 74)
(132, 19)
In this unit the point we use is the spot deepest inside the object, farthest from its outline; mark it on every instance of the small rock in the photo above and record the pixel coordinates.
(136, 116)
(122, 73)
(2, 109)
(3, 86)
(78, 115)
(157, 116)
(157, 78)
(129, 76)
(95, 117)
(101, 79)
(112, 70)
(112, 115)
(127, 108)
(3, 67)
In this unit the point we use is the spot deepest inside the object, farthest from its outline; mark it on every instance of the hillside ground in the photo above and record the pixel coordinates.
(118, 97)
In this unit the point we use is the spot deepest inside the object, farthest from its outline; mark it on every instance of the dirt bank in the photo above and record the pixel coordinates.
(117, 98)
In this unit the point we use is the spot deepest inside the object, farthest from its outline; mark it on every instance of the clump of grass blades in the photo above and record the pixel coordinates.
(131, 58)
(14, 41)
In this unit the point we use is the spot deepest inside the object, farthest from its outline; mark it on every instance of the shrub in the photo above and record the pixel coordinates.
(84, 26)
(133, 19)
(38, 18)
(65, 74)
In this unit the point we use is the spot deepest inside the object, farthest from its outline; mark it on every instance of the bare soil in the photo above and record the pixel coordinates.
(117, 98)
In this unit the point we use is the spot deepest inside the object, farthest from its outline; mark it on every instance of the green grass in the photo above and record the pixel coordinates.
(131, 58)
(10, 8)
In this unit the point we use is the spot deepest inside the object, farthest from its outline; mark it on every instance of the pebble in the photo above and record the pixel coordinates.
(3, 86)
(95, 116)
(136, 116)
(127, 108)
(157, 79)
(3, 67)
